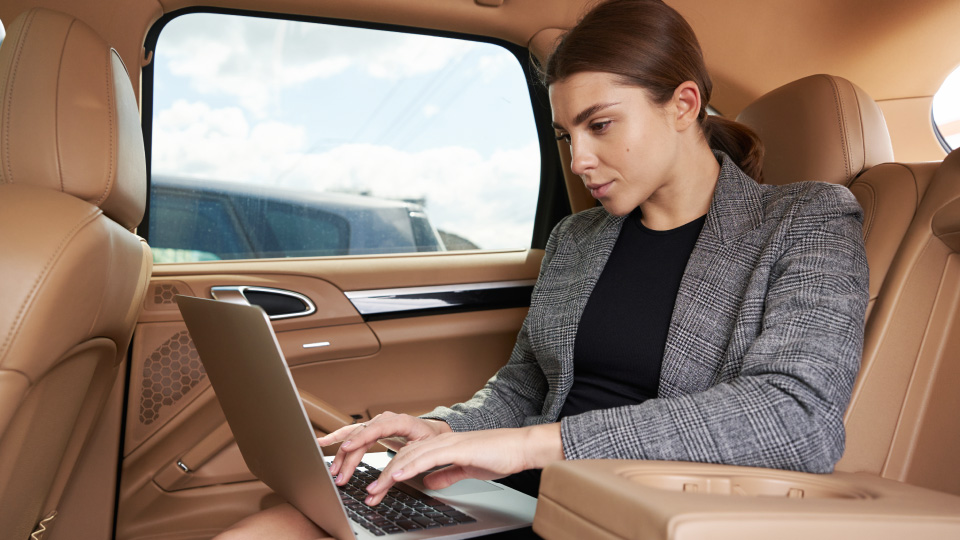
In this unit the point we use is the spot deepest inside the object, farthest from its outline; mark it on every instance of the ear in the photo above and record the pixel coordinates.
(686, 100)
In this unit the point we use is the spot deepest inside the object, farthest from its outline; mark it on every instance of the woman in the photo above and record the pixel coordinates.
(696, 316)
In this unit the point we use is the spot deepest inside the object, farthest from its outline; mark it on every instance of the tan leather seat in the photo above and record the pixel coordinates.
(827, 129)
(72, 274)
(903, 421)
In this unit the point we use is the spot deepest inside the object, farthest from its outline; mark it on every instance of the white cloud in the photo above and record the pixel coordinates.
(490, 66)
(195, 140)
(253, 58)
(430, 110)
(490, 201)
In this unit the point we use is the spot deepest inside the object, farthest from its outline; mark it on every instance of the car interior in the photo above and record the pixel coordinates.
(109, 428)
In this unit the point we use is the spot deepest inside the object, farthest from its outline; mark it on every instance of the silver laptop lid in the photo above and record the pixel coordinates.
(261, 403)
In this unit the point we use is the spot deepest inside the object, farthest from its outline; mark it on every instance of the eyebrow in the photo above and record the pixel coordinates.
(586, 113)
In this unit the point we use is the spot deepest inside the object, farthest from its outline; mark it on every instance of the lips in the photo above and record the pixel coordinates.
(599, 190)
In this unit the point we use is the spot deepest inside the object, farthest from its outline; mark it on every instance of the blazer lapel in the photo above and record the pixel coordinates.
(577, 276)
(690, 361)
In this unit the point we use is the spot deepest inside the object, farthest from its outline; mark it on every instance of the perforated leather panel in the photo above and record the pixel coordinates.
(172, 371)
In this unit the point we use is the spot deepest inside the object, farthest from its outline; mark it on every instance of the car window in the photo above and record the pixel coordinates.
(946, 111)
(335, 140)
(203, 227)
(300, 231)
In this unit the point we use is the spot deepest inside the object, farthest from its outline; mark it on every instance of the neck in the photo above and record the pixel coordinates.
(688, 196)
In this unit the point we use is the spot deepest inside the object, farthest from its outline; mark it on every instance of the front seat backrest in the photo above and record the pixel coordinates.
(72, 274)
(827, 129)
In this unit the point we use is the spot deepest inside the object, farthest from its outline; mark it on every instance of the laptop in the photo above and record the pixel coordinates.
(250, 377)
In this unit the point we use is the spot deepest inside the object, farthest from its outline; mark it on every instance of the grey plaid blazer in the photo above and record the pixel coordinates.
(763, 347)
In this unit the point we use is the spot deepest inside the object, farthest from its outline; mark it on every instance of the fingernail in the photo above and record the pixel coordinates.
(369, 500)
(398, 473)
(339, 477)
(346, 444)
(372, 485)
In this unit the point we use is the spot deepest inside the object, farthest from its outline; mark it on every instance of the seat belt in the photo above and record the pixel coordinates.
(41, 527)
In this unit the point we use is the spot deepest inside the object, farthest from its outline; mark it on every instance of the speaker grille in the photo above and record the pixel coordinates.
(169, 373)
(164, 293)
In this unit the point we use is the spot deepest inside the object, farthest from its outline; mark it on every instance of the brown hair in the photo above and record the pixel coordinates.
(648, 44)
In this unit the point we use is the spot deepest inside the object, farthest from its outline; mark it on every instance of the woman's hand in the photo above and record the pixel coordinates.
(356, 439)
(486, 455)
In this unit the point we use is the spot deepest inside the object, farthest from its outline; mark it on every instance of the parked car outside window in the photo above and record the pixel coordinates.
(197, 221)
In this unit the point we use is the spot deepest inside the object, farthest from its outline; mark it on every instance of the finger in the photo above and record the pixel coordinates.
(359, 442)
(350, 444)
(413, 459)
(407, 469)
(349, 464)
(377, 490)
(336, 436)
(445, 477)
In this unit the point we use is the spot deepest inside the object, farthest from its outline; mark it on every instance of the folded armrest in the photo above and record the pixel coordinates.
(618, 499)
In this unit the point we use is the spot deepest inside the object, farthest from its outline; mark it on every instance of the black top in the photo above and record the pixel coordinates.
(623, 330)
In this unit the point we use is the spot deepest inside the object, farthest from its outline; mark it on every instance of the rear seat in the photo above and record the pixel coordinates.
(827, 129)
(903, 430)
(895, 423)
(903, 421)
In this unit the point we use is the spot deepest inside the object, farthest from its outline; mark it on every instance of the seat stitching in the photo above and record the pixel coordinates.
(40, 277)
(56, 102)
(838, 104)
(14, 66)
(111, 106)
(863, 133)
(873, 210)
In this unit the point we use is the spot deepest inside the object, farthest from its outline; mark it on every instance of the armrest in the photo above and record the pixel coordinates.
(618, 499)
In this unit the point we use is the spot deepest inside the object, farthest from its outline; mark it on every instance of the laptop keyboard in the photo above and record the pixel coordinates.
(403, 509)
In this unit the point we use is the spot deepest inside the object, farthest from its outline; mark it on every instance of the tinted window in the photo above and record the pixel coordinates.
(196, 228)
(301, 231)
(362, 141)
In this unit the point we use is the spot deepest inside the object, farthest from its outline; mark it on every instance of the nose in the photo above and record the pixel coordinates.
(582, 158)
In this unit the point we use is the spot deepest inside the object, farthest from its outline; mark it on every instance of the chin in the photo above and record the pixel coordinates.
(615, 209)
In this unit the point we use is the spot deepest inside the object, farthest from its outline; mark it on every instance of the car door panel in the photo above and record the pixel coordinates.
(405, 362)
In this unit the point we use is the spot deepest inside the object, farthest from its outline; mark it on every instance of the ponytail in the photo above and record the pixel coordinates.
(737, 141)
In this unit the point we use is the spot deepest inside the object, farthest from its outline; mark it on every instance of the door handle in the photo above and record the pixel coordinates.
(278, 303)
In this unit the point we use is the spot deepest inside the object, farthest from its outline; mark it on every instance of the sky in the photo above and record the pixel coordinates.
(319, 107)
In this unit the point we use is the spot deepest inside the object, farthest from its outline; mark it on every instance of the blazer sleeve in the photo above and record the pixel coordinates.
(515, 395)
(785, 408)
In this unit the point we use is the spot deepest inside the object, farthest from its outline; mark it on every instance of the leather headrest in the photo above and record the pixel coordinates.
(68, 116)
(821, 128)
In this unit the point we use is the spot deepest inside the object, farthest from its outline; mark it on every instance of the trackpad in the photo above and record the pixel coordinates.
(463, 487)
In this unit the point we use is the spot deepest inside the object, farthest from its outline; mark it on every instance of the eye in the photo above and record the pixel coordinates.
(599, 127)
(564, 137)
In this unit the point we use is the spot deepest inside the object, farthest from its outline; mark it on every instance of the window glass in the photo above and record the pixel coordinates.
(300, 230)
(199, 227)
(349, 140)
(946, 111)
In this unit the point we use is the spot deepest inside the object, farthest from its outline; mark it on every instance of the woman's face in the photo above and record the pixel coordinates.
(622, 145)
